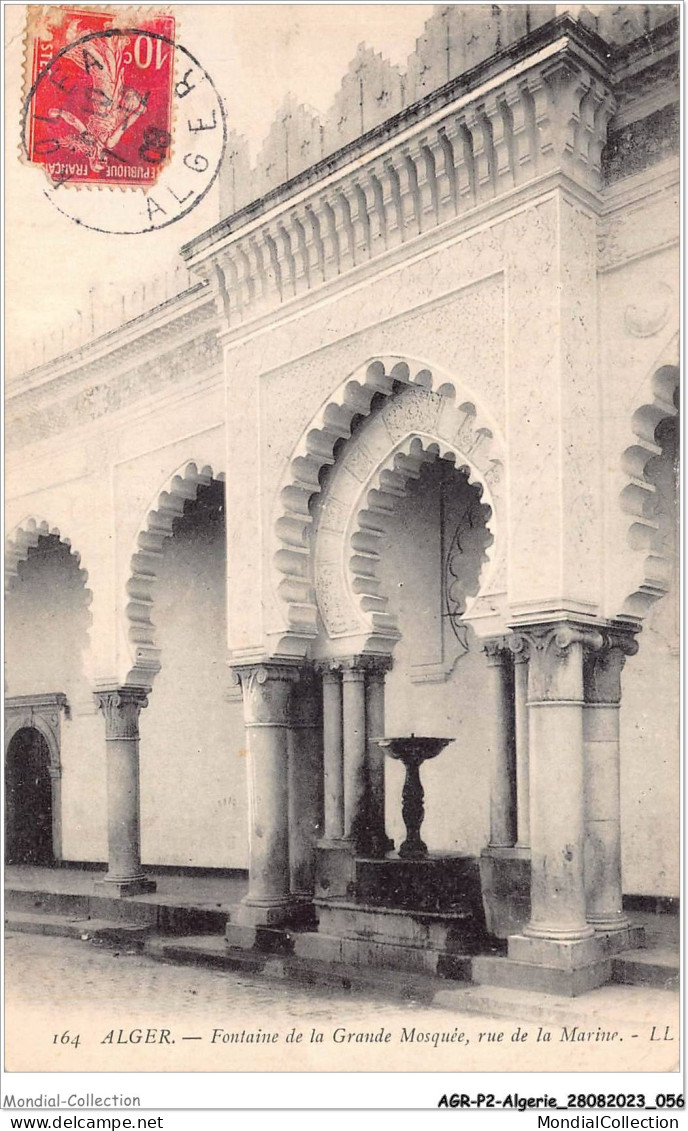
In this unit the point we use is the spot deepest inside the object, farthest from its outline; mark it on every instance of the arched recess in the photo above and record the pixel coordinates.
(30, 539)
(43, 714)
(26, 536)
(651, 577)
(408, 400)
(158, 525)
(352, 605)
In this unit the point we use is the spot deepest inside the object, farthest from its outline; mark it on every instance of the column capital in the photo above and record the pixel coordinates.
(266, 689)
(497, 650)
(121, 707)
(520, 647)
(555, 651)
(375, 666)
(602, 668)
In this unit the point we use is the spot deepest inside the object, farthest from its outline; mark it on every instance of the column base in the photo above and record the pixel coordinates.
(617, 922)
(557, 966)
(541, 979)
(134, 885)
(546, 933)
(267, 913)
(545, 965)
(377, 847)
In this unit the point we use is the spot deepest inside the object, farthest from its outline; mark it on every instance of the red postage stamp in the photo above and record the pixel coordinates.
(99, 110)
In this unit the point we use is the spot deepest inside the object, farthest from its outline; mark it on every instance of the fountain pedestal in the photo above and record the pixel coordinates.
(412, 912)
(413, 751)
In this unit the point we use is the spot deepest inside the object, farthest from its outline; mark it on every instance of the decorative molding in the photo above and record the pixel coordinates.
(650, 312)
(548, 112)
(641, 226)
(30, 419)
(43, 712)
(150, 541)
(339, 563)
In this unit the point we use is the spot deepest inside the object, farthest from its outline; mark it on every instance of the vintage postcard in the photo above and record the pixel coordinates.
(341, 513)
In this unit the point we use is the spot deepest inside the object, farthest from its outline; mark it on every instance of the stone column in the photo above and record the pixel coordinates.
(333, 753)
(602, 685)
(555, 688)
(519, 647)
(305, 785)
(378, 843)
(120, 707)
(355, 768)
(502, 770)
(266, 693)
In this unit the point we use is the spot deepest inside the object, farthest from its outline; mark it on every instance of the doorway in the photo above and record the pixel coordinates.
(28, 800)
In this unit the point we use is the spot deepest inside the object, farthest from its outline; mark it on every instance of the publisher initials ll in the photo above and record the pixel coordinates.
(655, 1035)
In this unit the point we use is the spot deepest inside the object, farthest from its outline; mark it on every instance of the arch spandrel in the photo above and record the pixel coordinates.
(405, 400)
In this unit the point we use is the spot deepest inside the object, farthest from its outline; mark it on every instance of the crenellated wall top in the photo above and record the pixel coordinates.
(493, 98)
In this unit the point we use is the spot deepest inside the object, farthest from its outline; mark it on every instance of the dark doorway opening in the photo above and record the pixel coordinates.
(28, 800)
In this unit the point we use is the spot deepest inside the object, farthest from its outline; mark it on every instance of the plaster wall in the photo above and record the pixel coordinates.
(46, 636)
(96, 483)
(192, 759)
(457, 782)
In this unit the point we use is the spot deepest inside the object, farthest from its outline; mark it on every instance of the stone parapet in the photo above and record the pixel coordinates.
(546, 112)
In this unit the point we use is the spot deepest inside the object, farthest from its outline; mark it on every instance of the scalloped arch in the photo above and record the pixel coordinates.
(476, 439)
(347, 583)
(25, 536)
(156, 528)
(654, 573)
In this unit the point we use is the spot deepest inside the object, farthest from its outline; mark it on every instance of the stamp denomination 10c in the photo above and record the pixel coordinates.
(122, 107)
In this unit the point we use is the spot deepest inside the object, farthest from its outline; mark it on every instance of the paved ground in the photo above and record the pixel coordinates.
(56, 985)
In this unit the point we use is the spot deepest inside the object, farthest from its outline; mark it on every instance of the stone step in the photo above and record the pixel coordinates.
(206, 950)
(658, 967)
(610, 1006)
(305, 967)
(87, 930)
(453, 933)
(166, 914)
(376, 954)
